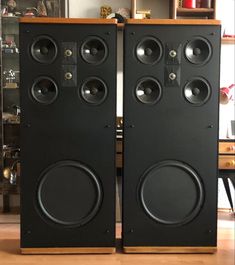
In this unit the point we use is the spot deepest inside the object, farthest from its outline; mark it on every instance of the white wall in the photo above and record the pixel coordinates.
(226, 79)
(91, 8)
(225, 12)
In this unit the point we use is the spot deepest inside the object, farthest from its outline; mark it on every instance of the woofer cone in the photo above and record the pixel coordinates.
(44, 90)
(44, 49)
(149, 50)
(171, 193)
(198, 51)
(197, 91)
(94, 90)
(94, 50)
(69, 193)
(148, 90)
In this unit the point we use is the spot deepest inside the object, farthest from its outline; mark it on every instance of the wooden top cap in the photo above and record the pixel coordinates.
(53, 20)
(173, 21)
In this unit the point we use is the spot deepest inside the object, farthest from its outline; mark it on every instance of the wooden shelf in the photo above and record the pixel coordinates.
(228, 41)
(195, 11)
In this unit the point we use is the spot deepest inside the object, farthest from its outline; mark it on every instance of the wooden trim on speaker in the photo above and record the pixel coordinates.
(94, 250)
(174, 21)
(53, 20)
(169, 249)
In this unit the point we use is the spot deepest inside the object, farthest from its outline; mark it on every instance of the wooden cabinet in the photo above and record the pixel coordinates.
(227, 166)
(227, 155)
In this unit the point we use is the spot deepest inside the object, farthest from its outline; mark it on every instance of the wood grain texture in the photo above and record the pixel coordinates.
(174, 21)
(227, 147)
(53, 20)
(227, 162)
(228, 40)
(53, 251)
(169, 249)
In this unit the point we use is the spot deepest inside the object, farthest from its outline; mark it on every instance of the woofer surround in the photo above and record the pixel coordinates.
(44, 49)
(44, 90)
(171, 193)
(94, 90)
(149, 50)
(148, 90)
(94, 50)
(81, 187)
(198, 50)
(197, 91)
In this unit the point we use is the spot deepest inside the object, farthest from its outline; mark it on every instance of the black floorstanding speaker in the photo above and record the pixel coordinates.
(171, 87)
(68, 127)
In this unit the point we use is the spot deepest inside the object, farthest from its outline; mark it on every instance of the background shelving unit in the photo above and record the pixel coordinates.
(193, 13)
(9, 93)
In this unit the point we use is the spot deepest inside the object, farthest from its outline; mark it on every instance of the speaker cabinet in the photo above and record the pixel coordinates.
(171, 85)
(68, 128)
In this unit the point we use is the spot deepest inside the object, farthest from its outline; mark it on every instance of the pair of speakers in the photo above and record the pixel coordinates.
(68, 135)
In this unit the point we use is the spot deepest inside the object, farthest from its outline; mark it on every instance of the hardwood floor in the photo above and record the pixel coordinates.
(10, 253)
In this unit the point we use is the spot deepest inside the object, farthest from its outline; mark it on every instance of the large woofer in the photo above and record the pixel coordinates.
(148, 90)
(94, 50)
(44, 90)
(171, 193)
(69, 193)
(198, 51)
(197, 91)
(149, 50)
(94, 90)
(44, 49)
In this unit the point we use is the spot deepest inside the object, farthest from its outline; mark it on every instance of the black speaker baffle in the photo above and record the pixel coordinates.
(94, 50)
(69, 193)
(149, 50)
(148, 90)
(94, 90)
(44, 90)
(198, 50)
(44, 49)
(171, 193)
(197, 91)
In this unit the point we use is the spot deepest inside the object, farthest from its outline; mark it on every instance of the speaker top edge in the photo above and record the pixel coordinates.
(50, 20)
(173, 21)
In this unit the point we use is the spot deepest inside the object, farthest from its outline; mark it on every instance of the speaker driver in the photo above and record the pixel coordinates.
(94, 91)
(94, 50)
(69, 193)
(149, 50)
(44, 49)
(44, 90)
(148, 90)
(198, 51)
(197, 91)
(171, 193)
